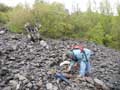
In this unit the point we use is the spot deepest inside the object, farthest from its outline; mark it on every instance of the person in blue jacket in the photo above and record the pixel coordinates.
(82, 58)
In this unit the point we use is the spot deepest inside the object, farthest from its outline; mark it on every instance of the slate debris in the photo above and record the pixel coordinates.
(25, 65)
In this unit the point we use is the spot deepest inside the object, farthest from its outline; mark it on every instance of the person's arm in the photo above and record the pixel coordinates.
(71, 65)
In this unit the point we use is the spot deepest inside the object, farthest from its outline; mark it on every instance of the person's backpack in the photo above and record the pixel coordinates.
(78, 47)
(81, 49)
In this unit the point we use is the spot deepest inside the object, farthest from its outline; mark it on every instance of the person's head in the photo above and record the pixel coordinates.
(69, 54)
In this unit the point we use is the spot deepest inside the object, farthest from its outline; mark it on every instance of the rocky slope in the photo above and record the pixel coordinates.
(25, 65)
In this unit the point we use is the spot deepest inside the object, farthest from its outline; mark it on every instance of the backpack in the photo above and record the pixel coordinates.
(81, 49)
(78, 47)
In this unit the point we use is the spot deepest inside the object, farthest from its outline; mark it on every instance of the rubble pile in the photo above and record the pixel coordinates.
(25, 65)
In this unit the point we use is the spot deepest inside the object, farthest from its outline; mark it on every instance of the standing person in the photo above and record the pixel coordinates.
(33, 31)
(81, 56)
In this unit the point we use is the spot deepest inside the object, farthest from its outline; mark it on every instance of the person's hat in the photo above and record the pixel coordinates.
(69, 54)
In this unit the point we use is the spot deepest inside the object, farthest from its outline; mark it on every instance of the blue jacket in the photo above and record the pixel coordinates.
(80, 56)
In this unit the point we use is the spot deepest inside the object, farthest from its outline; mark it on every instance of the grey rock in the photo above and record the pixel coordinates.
(44, 44)
(29, 85)
(20, 77)
(27, 89)
(14, 47)
(100, 84)
(14, 37)
(7, 88)
(90, 80)
(55, 88)
(4, 71)
(2, 31)
(49, 86)
(13, 83)
(11, 58)
(18, 86)
(84, 83)
(39, 83)
(90, 85)
(25, 81)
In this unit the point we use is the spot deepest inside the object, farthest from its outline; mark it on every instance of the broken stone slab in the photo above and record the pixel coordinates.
(20, 77)
(29, 85)
(4, 71)
(39, 83)
(44, 44)
(49, 86)
(84, 83)
(110, 85)
(2, 32)
(13, 83)
(25, 81)
(55, 88)
(1, 53)
(14, 47)
(14, 37)
(100, 84)
(18, 86)
(7, 88)
(90, 85)
(90, 80)
(2, 84)
(11, 58)
(27, 88)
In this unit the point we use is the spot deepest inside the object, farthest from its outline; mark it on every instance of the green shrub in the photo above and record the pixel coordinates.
(18, 17)
(3, 18)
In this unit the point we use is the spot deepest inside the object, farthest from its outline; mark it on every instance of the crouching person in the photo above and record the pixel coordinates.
(80, 55)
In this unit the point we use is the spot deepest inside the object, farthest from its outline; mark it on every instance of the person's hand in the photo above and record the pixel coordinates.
(76, 66)
(81, 78)
(68, 70)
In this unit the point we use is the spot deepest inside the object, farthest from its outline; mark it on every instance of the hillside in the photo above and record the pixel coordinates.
(25, 65)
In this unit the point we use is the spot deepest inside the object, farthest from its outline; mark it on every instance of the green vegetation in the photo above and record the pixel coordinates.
(102, 28)
(3, 14)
